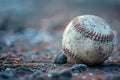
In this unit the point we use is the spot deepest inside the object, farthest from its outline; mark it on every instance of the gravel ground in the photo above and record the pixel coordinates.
(31, 34)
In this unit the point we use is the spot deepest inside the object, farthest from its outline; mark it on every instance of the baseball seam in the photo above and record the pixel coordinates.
(72, 55)
(91, 34)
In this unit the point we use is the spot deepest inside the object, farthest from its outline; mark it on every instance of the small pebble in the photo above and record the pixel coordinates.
(61, 58)
(77, 68)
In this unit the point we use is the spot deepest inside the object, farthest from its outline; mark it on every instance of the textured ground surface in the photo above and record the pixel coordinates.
(30, 38)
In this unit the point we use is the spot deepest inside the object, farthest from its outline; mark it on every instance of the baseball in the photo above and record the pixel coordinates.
(88, 39)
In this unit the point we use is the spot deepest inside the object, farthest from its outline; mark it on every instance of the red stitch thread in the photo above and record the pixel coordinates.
(73, 56)
(92, 35)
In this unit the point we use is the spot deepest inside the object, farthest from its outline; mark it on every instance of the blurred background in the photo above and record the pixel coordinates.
(31, 23)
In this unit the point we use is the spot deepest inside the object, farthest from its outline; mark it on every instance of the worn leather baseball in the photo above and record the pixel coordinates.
(88, 39)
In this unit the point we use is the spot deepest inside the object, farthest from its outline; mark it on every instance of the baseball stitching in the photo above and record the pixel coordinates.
(92, 35)
(89, 34)
(72, 55)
